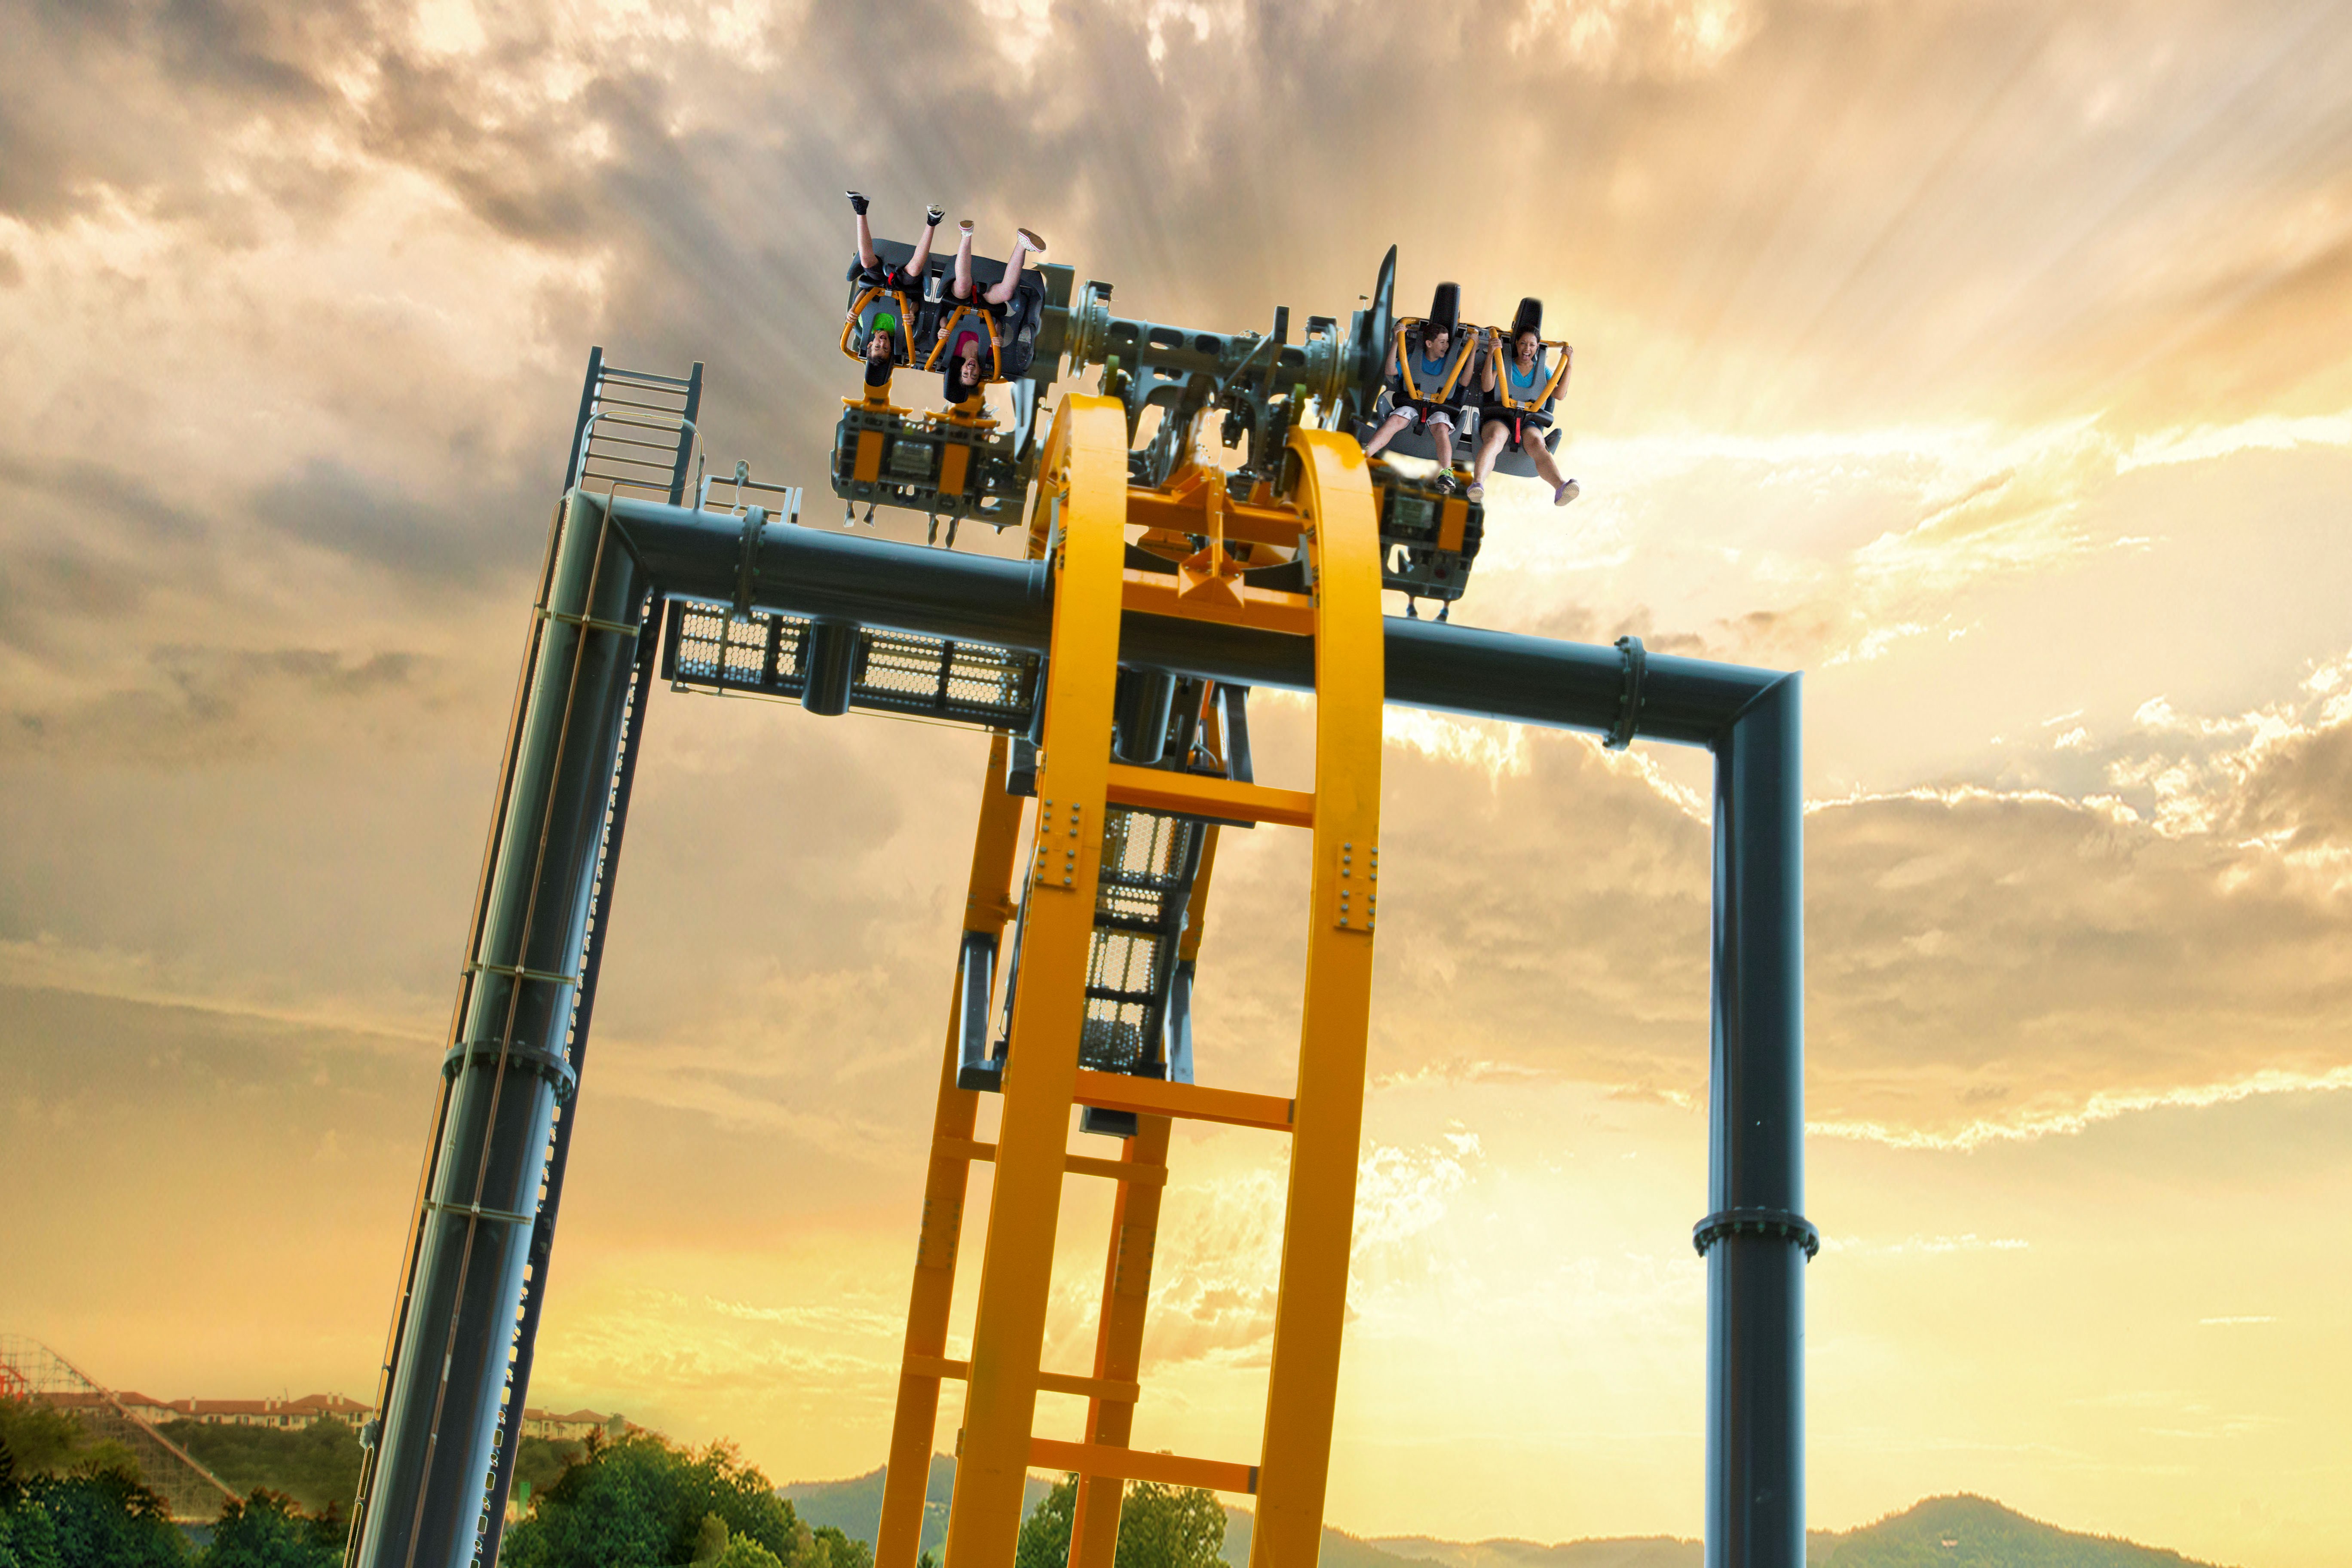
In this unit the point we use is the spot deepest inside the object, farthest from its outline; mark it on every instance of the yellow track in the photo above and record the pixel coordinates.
(1083, 511)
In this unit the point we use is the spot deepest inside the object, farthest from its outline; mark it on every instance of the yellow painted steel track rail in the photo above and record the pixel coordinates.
(1083, 511)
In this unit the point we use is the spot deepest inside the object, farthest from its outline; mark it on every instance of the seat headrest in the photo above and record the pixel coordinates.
(1529, 318)
(1445, 306)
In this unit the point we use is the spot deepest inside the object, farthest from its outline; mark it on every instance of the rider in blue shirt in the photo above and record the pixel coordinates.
(1422, 373)
(1516, 385)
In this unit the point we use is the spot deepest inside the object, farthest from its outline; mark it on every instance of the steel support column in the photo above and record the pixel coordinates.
(431, 1479)
(1757, 1241)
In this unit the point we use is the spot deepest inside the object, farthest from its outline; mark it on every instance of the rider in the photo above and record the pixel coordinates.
(1424, 371)
(965, 338)
(885, 334)
(1516, 386)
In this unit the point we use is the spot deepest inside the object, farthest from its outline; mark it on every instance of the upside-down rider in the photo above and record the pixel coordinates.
(1516, 385)
(885, 327)
(1425, 373)
(971, 347)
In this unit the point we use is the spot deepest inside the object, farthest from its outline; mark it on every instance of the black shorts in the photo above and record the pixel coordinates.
(1519, 422)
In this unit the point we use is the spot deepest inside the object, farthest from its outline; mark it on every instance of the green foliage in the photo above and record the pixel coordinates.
(830, 1548)
(642, 1502)
(102, 1519)
(28, 1536)
(716, 1547)
(317, 1466)
(267, 1531)
(1045, 1540)
(539, 1463)
(1170, 1527)
(40, 1440)
(1158, 1527)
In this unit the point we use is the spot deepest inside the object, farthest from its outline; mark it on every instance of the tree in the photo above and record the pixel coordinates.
(716, 1547)
(1045, 1540)
(1170, 1527)
(267, 1531)
(642, 1502)
(40, 1440)
(317, 1466)
(1158, 1527)
(105, 1518)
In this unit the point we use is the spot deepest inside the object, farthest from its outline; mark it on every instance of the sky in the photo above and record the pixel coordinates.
(1988, 361)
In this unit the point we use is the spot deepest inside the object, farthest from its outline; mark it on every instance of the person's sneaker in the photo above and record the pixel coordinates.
(1475, 492)
(856, 202)
(965, 225)
(1029, 238)
(1566, 493)
(933, 214)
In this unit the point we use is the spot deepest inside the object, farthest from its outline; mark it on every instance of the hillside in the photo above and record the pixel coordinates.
(1945, 1532)
(1961, 1532)
(854, 1506)
(1616, 1552)
(1977, 1533)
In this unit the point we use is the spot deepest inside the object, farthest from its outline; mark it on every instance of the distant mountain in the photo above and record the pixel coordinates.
(1977, 1532)
(1939, 1532)
(1609, 1552)
(853, 1507)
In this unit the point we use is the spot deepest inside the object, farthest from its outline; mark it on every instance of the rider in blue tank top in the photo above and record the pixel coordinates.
(1515, 380)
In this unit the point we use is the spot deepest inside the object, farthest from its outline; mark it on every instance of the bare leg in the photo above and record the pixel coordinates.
(1440, 437)
(1490, 447)
(1388, 432)
(866, 256)
(963, 264)
(1544, 463)
(1003, 288)
(922, 257)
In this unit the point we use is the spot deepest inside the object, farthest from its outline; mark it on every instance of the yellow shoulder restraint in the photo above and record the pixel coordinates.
(1550, 389)
(1458, 355)
(948, 333)
(905, 330)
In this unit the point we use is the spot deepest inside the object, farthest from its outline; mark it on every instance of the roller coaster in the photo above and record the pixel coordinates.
(1111, 667)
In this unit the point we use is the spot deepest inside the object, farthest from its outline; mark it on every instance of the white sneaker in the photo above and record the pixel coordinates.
(1566, 493)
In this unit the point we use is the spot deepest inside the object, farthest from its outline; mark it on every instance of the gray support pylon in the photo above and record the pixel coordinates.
(427, 1501)
(1757, 1241)
(592, 959)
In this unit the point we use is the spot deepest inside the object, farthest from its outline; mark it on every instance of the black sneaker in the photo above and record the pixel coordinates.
(856, 202)
(932, 217)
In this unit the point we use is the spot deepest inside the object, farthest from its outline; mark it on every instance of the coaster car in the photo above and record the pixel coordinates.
(924, 320)
(958, 464)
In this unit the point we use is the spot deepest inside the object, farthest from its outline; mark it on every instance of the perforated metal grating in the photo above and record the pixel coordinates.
(894, 672)
(1147, 865)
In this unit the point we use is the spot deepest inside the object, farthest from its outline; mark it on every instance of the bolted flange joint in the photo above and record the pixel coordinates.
(1779, 1223)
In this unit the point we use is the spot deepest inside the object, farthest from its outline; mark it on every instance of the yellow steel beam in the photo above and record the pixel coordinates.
(1076, 1164)
(1335, 494)
(1267, 609)
(1119, 1337)
(1131, 1465)
(1082, 499)
(1188, 514)
(1196, 795)
(986, 909)
(1184, 1101)
(1047, 1382)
